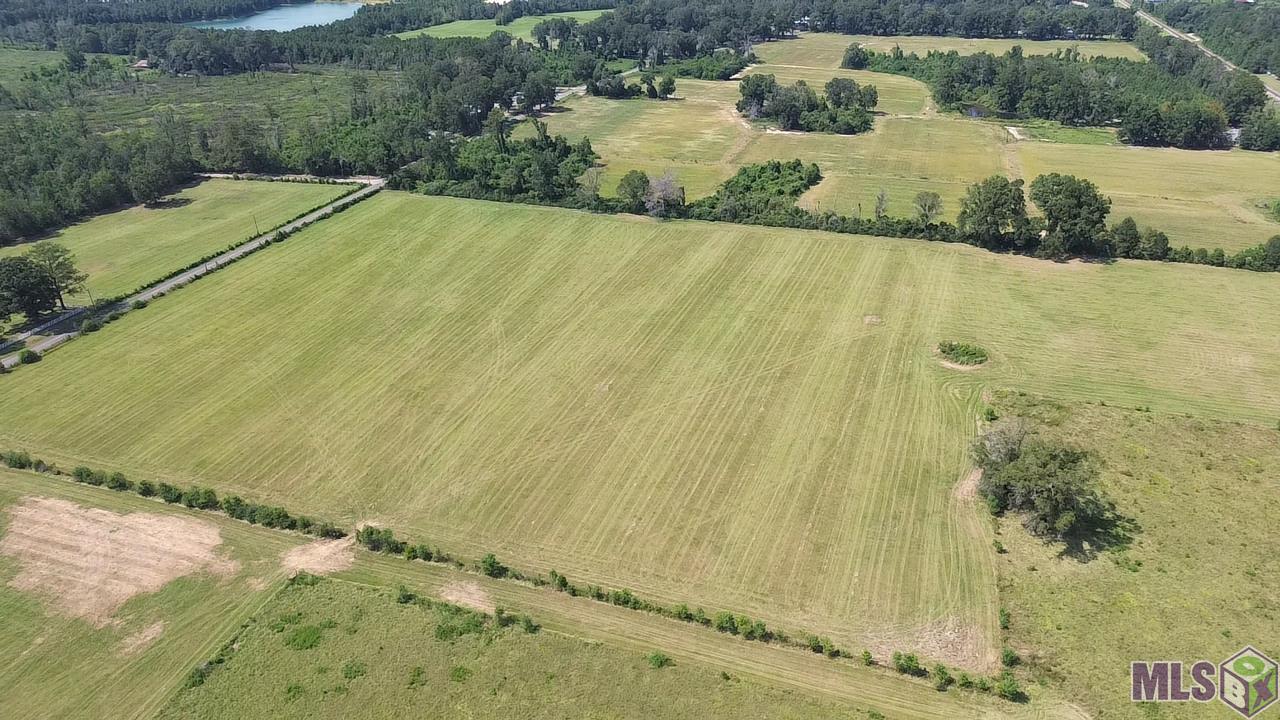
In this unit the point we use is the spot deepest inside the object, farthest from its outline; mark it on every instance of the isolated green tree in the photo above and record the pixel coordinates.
(1075, 214)
(58, 264)
(993, 214)
(634, 188)
(25, 288)
(666, 86)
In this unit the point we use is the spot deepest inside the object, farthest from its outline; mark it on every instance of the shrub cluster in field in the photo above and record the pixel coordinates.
(613, 85)
(845, 110)
(193, 497)
(962, 353)
(722, 64)
(1054, 486)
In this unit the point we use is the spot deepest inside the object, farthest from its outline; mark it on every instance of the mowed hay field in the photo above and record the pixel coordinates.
(128, 248)
(1201, 199)
(67, 653)
(735, 417)
(827, 49)
(521, 27)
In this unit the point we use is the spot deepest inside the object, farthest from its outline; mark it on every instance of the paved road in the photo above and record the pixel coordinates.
(1187, 37)
(64, 328)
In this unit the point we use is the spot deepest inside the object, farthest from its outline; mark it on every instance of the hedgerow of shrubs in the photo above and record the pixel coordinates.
(194, 497)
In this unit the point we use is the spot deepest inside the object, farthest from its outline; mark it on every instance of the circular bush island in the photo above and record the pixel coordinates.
(962, 353)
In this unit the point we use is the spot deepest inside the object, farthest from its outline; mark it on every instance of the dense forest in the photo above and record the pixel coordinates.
(1174, 100)
(1246, 34)
(54, 170)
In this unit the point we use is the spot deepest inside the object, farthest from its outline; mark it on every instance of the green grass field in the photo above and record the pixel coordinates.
(827, 49)
(125, 249)
(64, 667)
(520, 27)
(1200, 492)
(14, 61)
(383, 659)
(730, 416)
(702, 139)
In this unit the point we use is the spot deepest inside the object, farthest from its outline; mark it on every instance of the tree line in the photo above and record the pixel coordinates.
(1073, 219)
(658, 31)
(1150, 104)
(194, 497)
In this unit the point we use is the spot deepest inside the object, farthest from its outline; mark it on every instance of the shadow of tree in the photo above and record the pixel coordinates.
(168, 203)
(1108, 531)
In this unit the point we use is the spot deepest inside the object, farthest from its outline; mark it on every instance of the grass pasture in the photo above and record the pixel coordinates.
(14, 61)
(124, 249)
(64, 667)
(735, 417)
(827, 49)
(1193, 486)
(521, 27)
(377, 658)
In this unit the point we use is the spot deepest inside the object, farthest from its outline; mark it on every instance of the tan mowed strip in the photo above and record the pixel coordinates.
(320, 557)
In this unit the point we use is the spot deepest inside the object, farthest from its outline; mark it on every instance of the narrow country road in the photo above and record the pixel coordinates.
(1187, 37)
(63, 327)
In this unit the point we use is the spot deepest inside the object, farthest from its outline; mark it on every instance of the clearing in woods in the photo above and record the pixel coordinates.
(521, 27)
(1199, 198)
(125, 249)
(696, 411)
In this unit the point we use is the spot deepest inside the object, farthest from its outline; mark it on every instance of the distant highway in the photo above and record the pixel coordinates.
(1187, 37)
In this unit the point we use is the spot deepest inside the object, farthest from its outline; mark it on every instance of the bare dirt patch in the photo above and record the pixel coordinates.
(320, 557)
(141, 640)
(967, 489)
(468, 595)
(957, 366)
(88, 562)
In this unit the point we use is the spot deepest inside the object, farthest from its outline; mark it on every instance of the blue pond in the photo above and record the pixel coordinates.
(286, 17)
